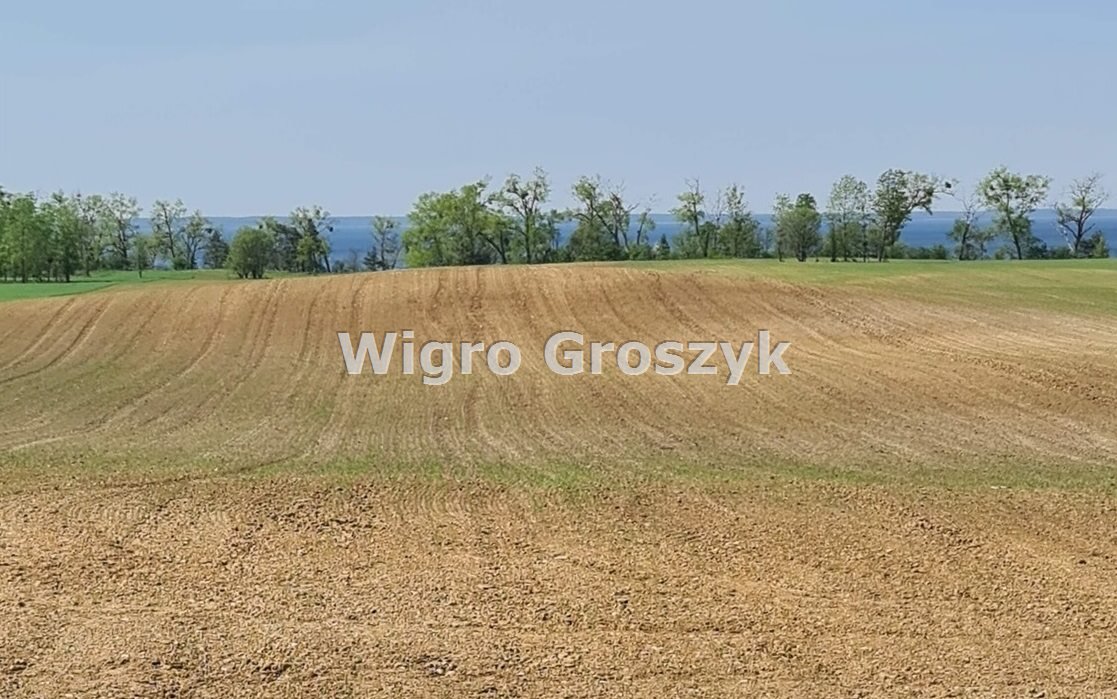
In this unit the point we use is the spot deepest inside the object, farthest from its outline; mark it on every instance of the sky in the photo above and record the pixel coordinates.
(248, 107)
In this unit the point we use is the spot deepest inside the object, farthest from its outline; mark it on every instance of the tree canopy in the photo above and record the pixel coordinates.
(56, 237)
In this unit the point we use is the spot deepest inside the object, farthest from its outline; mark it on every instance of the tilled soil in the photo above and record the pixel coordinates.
(301, 588)
(196, 500)
(253, 373)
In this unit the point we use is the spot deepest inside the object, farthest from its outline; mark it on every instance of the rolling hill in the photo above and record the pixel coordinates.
(885, 379)
(196, 498)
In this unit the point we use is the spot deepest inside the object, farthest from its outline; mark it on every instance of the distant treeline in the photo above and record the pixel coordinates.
(57, 237)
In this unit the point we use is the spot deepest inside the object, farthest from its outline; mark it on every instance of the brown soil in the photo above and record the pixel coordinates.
(302, 589)
(245, 375)
(196, 501)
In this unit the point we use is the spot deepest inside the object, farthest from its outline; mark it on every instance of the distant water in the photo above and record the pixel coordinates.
(354, 232)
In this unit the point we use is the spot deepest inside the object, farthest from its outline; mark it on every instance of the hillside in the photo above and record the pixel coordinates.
(196, 499)
(886, 380)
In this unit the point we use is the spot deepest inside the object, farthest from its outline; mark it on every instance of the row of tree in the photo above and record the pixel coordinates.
(62, 235)
(479, 225)
(56, 237)
(301, 245)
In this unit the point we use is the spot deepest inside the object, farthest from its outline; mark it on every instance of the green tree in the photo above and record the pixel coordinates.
(64, 257)
(1013, 198)
(456, 228)
(5, 256)
(312, 250)
(1097, 246)
(699, 236)
(287, 239)
(143, 252)
(534, 229)
(195, 233)
(93, 230)
(312, 254)
(969, 236)
(1084, 198)
(798, 226)
(214, 250)
(385, 250)
(589, 242)
(22, 235)
(167, 230)
(662, 249)
(739, 235)
(898, 194)
(603, 220)
(251, 252)
(848, 215)
(120, 212)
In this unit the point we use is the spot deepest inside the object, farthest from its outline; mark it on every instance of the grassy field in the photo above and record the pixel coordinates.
(1074, 285)
(15, 291)
(1057, 284)
(196, 495)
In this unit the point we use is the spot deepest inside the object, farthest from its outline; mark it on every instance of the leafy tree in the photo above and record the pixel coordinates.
(251, 252)
(42, 242)
(662, 249)
(1085, 197)
(120, 212)
(534, 229)
(739, 235)
(143, 255)
(312, 254)
(312, 251)
(983, 237)
(385, 250)
(287, 239)
(699, 237)
(962, 233)
(64, 256)
(768, 247)
(215, 251)
(1012, 198)
(848, 215)
(590, 242)
(1097, 246)
(644, 228)
(797, 226)
(967, 233)
(93, 228)
(5, 259)
(604, 221)
(22, 230)
(456, 228)
(898, 194)
(195, 233)
(937, 251)
(167, 230)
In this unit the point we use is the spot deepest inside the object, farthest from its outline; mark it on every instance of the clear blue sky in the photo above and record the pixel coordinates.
(256, 106)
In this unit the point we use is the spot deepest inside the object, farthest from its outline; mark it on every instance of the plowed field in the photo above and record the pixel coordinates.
(197, 500)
